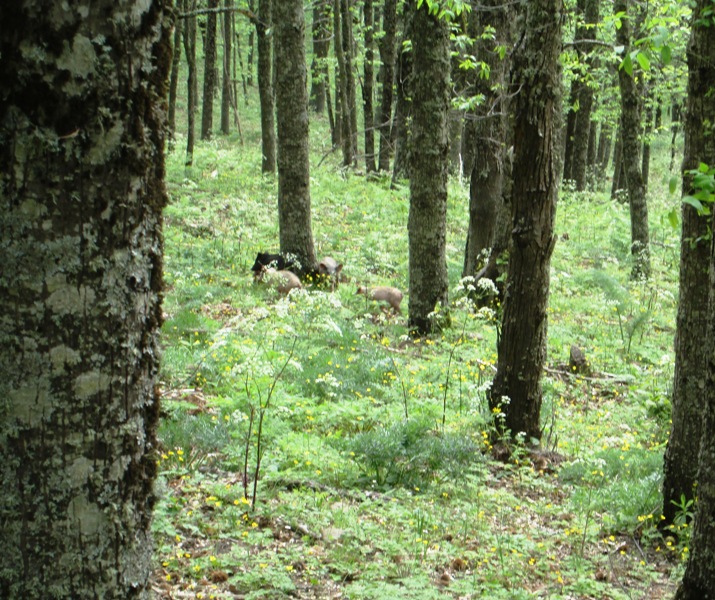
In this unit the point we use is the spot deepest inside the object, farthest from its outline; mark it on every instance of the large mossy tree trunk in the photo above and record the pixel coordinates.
(82, 124)
(265, 86)
(536, 80)
(294, 219)
(631, 145)
(207, 110)
(386, 77)
(486, 133)
(429, 164)
(694, 407)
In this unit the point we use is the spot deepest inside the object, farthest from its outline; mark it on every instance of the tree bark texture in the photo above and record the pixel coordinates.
(82, 123)
(631, 146)
(207, 111)
(265, 86)
(429, 165)
(486, 132)
(386, 46)
(294, 219)
(516, 389)
(694, 408)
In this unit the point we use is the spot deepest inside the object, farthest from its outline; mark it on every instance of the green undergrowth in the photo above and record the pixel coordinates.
(311, 449)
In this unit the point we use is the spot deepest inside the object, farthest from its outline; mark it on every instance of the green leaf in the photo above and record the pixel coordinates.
(627, 65)
(673, 218)
(665, 54)
(673, 184)
(643, 61)
(694, 202)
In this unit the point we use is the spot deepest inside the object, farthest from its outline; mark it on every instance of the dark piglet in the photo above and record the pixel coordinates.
(275, 261)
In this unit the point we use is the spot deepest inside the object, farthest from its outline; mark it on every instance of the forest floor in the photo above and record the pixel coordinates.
(311, 449)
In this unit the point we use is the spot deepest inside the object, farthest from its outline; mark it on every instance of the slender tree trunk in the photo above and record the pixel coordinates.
(691, 380)
(265, 86)
(591, 150)
(294, 220)
(647, 133)
(403, 107)
(587, 31)
(207, 114)
(321, 49)
(387, 78)
(249, 55)
(487, 134)
(367, 89)
(226, 100)
(630, 155)
(429, 165)
(192, 84)
(516, 390)
(568, 142)
(349, 53)
(341, 88)
(81, 193)
(176, 61)
(676, 115)
(617, 185)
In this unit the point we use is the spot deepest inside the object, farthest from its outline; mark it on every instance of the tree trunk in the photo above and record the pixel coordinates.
(590, 11)
(207, 114)
(630, 154)
(403, 106)
(82, 126)
(367, 89)
(348, 54)
(387, 78)
(617, 185)
(516, 390)
(192, 84)
(226, 100)
(265, 86)
(692, 392)
(249, 52)
(321, 49)
(676, 115)
(647, 133)
(294, 220)
(487, 134)
(429, 164)
(176, 61)
(341, 88)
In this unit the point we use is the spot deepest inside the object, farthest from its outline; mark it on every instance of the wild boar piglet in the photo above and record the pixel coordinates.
(283, 281)
(390, 295)
(330, 268)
